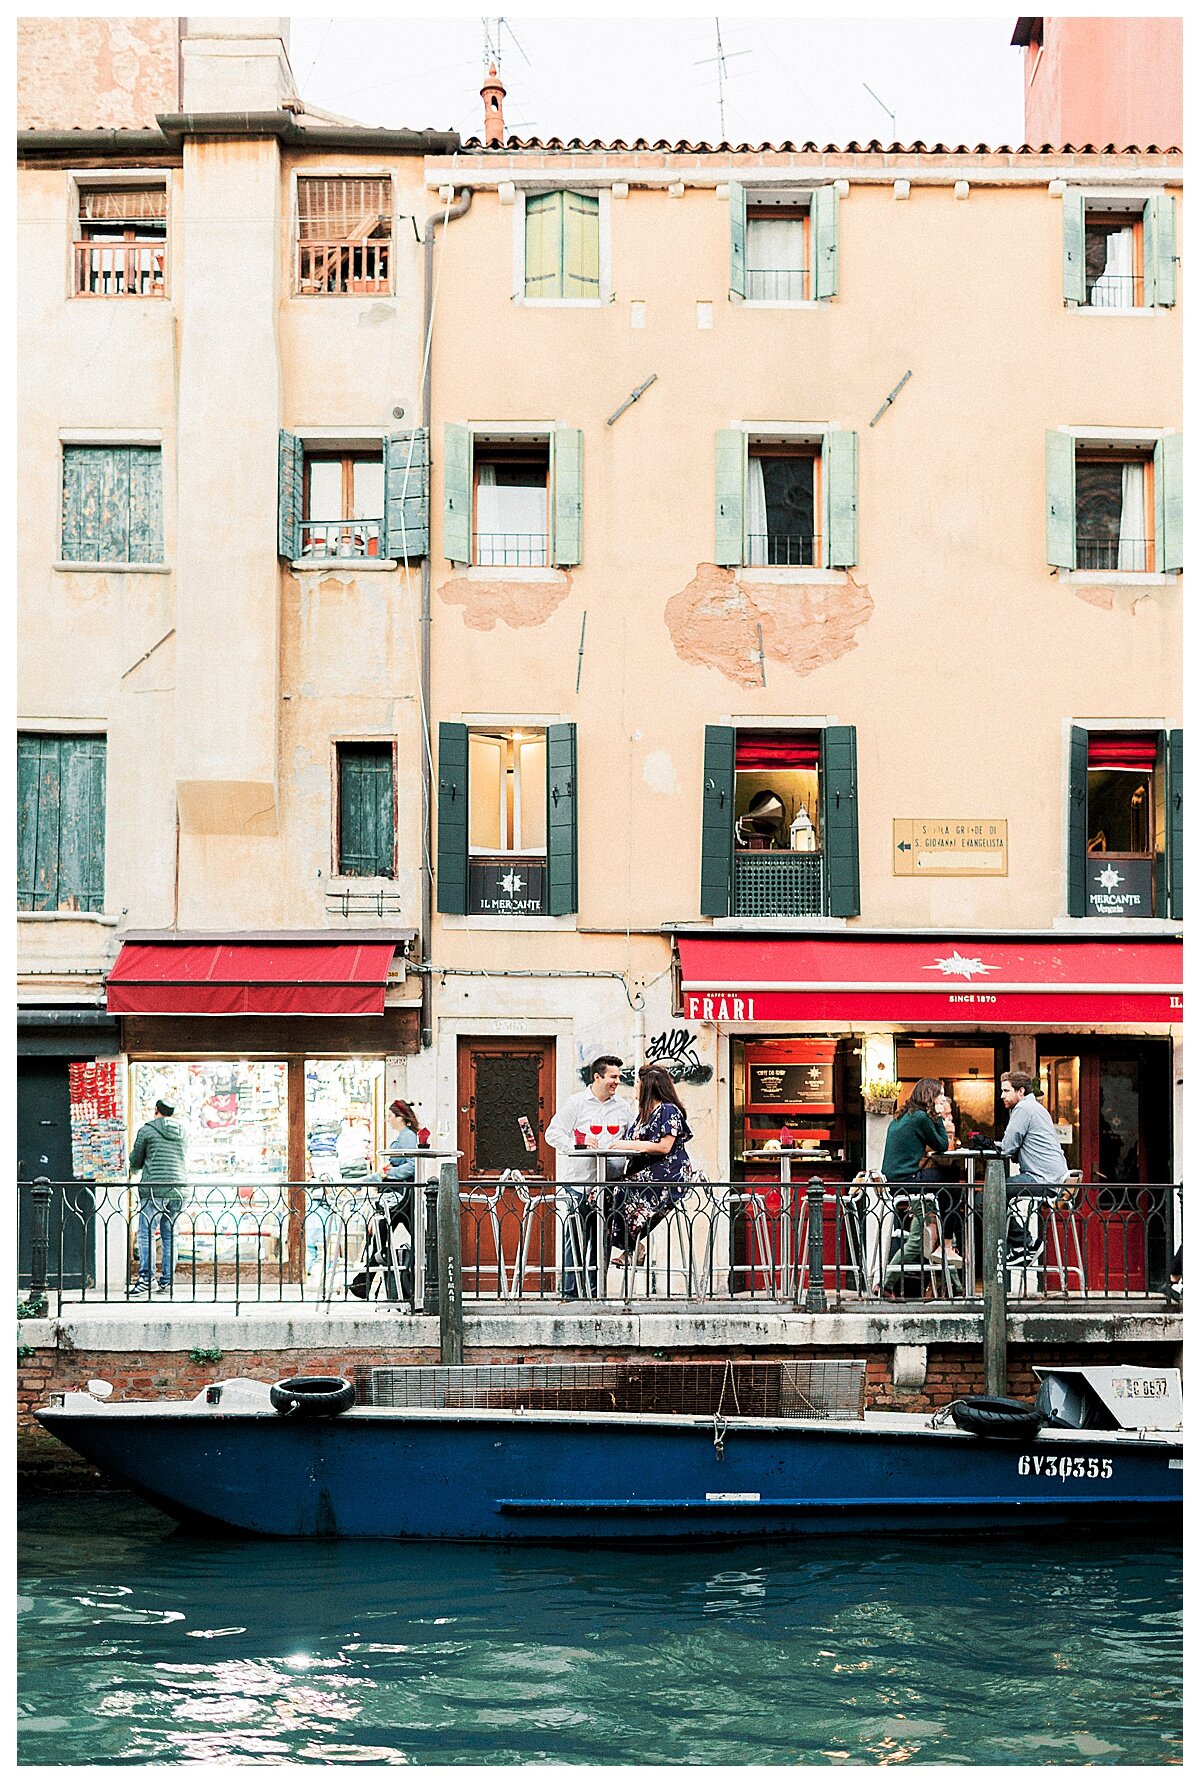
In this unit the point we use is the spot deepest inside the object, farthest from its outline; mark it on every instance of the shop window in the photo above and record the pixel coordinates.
(507, 801)
(969, 1070)
(112, 505)
(344, 236)
(512, 525)
(787, 500)
(343, 504)
(513, 500)
(1118, 254)
(366, 823)
(562, 246)
(120, 249)
(60, 822)
(1114, 511)
(366, 500)
(783, 246)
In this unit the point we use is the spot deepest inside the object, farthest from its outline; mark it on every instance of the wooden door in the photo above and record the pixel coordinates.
(498, 1082)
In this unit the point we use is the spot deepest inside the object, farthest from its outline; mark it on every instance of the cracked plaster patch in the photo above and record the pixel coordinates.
(517, 604)
(658, 772)
(713, 622)
(1095, 597)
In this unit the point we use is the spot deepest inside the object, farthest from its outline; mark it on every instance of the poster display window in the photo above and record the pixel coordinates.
(343, 1118)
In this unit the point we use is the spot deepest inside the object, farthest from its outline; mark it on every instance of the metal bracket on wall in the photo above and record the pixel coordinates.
(889, 399)
(630, 400)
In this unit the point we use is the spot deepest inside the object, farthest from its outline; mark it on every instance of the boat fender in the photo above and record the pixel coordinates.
(312, 1396)
(1009, 1420)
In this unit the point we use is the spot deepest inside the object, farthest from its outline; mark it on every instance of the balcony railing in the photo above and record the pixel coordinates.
(1132, 555)
(766, 285)
(743, 1243)
(521, 549)
(783, 547)
(343, 268)
(340, 538)
(776, 882)
(1116, 291)
(120, 269)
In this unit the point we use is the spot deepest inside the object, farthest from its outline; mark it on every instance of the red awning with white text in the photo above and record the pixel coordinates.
(739, 979)
(230, 977)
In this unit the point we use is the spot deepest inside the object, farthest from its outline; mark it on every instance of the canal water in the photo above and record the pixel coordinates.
(139, 1644)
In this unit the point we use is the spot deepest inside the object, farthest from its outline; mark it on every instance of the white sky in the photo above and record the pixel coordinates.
(947, 79)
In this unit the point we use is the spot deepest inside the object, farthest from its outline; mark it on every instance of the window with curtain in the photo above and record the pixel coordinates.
(511, 505)
(112, 504)
(782, 504)
(1113, 505)
(60, 822)
(1112, 261)
(562, 245)
(121, 246)
(777, 254)
(776, 791)
(344, 236)
(343, 504)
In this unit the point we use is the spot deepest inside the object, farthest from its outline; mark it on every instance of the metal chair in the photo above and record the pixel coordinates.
(1061, 1223)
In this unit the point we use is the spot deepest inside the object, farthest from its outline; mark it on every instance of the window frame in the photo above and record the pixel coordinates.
(509, 733)
(83, 180)
(1134, 441)
(1165, 887)
(535, 188)
(338, 871)
(760, 203)
(1101, 213)
(815, 451)
(521, 451)
(1114, 202)
(1092, 452)
(347, 457)
(340, 173)
(115, 440)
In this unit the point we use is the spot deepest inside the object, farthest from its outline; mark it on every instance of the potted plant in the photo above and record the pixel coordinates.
(880, 1095)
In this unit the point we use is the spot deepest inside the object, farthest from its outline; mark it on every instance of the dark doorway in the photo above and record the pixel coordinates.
(499, 1081)
(44, 1149)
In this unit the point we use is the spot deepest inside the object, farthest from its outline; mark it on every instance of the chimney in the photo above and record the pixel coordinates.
(492, 94)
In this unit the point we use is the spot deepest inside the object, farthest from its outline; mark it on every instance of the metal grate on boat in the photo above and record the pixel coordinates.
(801, 1389)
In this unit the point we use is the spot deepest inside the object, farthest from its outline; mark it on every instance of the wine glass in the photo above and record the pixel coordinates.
(613, 1128)
(596, 1128)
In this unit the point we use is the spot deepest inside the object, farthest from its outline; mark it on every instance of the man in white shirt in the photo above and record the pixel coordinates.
(597, 1105)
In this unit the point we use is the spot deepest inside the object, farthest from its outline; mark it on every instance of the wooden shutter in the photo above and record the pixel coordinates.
(839, 455)
(839, 812)
(456, 494)
(737, 239)
(716, 822)
(1158, 249)
(366, 810)
(96, 508)
(37, 822)
(1168, 502)
(406, 495)
(1074, 263)
(145, 504)
(729, 546)
(825, 241)
(543, 244)
(1060, 499)
(291, 494)
(581, 245)
(452, 819)
(81, 823)
(1175, 825)
(562, 822)
(1077, 776)
(567, 544)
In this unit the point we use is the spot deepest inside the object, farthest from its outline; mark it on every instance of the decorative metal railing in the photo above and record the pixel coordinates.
(343, 268)
(340, 538)
(776, 882)
(511, 549)
(776, 285)
(1135, 556)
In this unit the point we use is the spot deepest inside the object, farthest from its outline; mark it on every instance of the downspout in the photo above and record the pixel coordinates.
(443, 216)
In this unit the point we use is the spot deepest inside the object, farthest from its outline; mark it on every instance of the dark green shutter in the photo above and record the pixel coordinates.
(568, 496)
(96, 505)
(824, 229)
(1175, 825)
(839, 811)
(145, 504)
(291, 494)
(1074, 271)
(406, 495)
(730, 532)
(737, 239)
(60, 822)
(456, 494)
(1060, 499)
(716, 823)
(562, 825)
(1158, 249)
(366, 810)
(1168, 502)
(452, 837)
(1077, 780)
(37, 822)
(840, 455)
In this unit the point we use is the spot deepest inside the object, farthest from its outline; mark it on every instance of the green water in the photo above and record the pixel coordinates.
(141, 1645)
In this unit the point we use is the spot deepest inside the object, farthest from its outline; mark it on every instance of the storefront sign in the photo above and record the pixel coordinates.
(948, 847)
(508, 888)
(795, 1086)
(1118, 886)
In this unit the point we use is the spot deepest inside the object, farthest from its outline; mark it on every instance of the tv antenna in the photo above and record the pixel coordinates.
(879, 102)
(493, 42)
(722, 56)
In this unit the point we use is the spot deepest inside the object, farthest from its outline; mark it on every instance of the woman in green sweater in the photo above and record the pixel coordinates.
(916, 1129)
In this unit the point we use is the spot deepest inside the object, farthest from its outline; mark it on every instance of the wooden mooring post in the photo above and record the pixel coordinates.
(995, 1279)
(449, 1265)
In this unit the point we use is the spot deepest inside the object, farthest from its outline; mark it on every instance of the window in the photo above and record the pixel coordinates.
(562, 246)
(1114, 511)
(783, 499)
(366, 823)
(60, 822)
(354, 501)
(783, 246)
(1114, 506)
(507, 801)
(344, 236)
(780, 822)
(508, 792)
(112, 504)
(1118, 252)
(121, 242)
(513, 500)
(343, 504)
(1125, 831)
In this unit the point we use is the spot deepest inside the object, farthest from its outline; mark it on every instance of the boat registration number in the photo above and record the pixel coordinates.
(1066, 1467)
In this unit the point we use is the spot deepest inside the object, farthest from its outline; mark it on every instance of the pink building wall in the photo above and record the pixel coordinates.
(1103, 80)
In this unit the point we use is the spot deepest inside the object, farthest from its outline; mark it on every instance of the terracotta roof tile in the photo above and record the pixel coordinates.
(576, 144)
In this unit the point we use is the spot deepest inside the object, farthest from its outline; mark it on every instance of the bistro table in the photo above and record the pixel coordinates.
(575, 1215)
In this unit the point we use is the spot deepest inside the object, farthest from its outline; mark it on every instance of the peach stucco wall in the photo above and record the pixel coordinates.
(96, 74)
(1101, 80)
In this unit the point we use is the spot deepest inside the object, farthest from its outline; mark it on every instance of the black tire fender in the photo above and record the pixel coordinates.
(1005, 1420)
(313, 1396)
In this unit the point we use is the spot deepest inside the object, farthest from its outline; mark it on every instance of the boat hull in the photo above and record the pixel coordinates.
(512, 1476)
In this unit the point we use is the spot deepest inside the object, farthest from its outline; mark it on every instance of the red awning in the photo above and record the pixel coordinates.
(230, 977)
(741, 979)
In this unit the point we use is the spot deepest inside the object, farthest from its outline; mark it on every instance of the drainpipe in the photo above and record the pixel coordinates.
(431, 223)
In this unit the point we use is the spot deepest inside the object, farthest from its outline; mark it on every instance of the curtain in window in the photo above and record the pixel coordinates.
(775, 244)
(1131, 546)
(756, 513)
(128, 204)
(1113, 288)
(776, 749)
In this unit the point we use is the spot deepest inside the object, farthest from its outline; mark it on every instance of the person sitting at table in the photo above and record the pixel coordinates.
(917, 1133)
(658, 1182)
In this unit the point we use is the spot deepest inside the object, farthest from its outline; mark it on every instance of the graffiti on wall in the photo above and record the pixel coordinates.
(675, 1050)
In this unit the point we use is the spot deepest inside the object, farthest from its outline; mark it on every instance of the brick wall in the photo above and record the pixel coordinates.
(97, 73)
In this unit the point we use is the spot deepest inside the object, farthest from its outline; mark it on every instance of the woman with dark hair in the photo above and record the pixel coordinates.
(917, 1129)
(917, 1132)
(403, 1125)
(647, 1196)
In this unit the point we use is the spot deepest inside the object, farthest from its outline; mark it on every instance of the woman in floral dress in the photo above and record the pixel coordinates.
(648, 1195)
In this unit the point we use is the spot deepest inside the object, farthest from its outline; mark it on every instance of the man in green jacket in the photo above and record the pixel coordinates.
(159, 1153)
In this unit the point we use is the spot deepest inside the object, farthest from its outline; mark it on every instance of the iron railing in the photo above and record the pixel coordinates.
(768, 285)
(812, 1243)
(340, 538)
(776, 882)
(1132, 555)
(765, 548)
(120, 269)
(344, 268)
(1115, 291)
(522, 549)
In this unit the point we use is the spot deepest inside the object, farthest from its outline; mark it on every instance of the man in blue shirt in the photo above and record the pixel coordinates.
(1031, 1139)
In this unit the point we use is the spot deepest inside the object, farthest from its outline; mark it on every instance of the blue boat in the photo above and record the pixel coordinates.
(626, 1453)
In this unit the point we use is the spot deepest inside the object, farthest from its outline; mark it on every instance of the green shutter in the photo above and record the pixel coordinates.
(95, 525)
(543, 244)
(1074, 262)
(824, 231)
(716, 822)
(1175, 825)
(730, 544)
(1077, 779)
(60, 823)
(1158, 249)
(737, 239)
(581, 245)
(839, 812)
(456, 494)
(1168, 502)
(839, 456)
(452, 819)
(1060, 499)
(291, 494)
(567, 543)
(406, 495)
(366, 810)
(145, 504)
(562, 822)
(37, 822)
